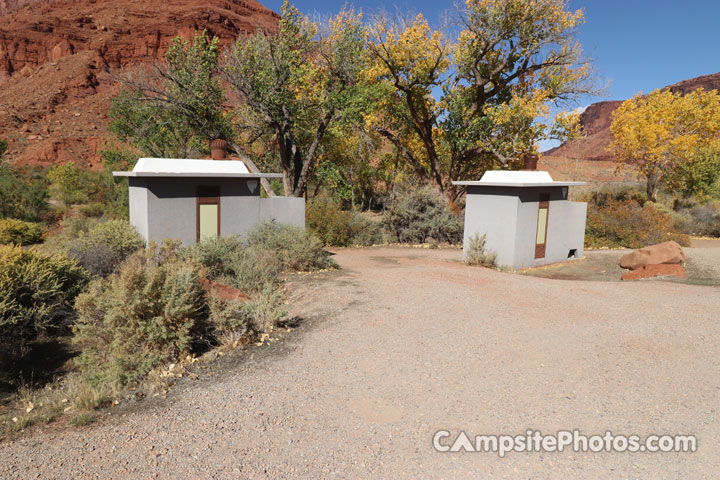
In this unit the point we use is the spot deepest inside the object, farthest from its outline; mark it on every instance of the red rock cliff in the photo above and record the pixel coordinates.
(597, 117)
(55, 59)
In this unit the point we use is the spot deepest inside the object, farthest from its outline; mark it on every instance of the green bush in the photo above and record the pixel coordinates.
(326, 219)
(294, 249)
(99, 247)
(337, 227)
(22, 195)
(74, 185)
(144, 315)
(477, 254)
(36, 292)
(626, 223)
(19, 232)
(420, 215)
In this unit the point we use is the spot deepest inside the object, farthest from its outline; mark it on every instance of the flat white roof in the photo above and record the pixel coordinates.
(517, 178)
(181, 167)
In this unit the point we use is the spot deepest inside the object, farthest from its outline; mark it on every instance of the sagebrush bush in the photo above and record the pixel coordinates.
(230, 261)
(99, 247)
(420, 215)
(215, 254)
(255, 268)
(295, 249)
(626, 223)
(365, 232)
(144, 315)
(701, 219)
(19, 232)
(477, 254)
(36, 292)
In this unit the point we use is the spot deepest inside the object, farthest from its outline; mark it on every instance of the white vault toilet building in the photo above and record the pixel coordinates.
(191, 200)
(526, 217)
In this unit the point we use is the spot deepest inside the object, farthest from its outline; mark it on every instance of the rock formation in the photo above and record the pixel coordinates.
(56, 57)
(597, 117)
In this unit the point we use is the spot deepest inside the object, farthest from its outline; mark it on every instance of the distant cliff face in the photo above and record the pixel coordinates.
(56, 55)
(596, 123)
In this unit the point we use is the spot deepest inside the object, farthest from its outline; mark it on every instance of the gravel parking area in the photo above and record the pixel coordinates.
(404, 342)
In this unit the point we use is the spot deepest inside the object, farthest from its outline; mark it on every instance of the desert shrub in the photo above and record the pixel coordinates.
(326, 219)
(477, 254)
(232, 320)
(337, 227)
(99, 247)
(253, 269)
(22, 195)
(365, 232)
(144, 315)
(626, 223)
(421, 214)
(74, 185)
(265, 309)
(95, 209)
(215, 254)
(699, 219)
(294, 249)
(19, 232)
(36, 292)
(229, 260)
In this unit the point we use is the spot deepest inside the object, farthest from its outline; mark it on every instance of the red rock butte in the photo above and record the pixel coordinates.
(56, 58)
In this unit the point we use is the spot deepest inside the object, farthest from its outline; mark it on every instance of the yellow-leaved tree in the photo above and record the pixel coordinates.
(659, 133)
(497, 83)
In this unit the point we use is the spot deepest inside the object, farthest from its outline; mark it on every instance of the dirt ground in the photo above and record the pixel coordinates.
(404, 342)
(702, 266)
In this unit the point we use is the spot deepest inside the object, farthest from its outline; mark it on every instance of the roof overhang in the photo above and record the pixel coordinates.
(197, 174)
(516, 178)
(479, 183)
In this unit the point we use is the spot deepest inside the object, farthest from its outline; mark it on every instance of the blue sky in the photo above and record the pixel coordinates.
(638, 45)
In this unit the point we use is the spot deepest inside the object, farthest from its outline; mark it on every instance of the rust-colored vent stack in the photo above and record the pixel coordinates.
(218, 149)
(531, 161)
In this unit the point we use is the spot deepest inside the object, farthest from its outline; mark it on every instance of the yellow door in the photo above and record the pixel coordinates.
(208, 221)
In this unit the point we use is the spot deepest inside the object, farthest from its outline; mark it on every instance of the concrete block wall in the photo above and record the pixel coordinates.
(166, 208)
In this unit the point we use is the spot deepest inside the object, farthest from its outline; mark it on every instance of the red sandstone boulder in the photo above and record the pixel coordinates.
(667, 252)
(659, 270)
(224, 292)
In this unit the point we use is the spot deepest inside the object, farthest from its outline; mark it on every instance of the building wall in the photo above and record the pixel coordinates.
(171, 207)
(508, 216)
(492, 212)
(138, 205)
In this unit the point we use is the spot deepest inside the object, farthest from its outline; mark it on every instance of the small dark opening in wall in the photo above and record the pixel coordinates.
(572, 253)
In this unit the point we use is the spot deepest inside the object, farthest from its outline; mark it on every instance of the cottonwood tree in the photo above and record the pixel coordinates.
(511, 62)
(663, 134)
(170, 107)
(296, 84)
(175, 107)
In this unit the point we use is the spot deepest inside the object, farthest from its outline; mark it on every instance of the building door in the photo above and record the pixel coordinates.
(208, 213)
(542, 225)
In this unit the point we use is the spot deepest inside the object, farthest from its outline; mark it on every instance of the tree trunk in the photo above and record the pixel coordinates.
(264, 183)
(285, 155)
(652, 187)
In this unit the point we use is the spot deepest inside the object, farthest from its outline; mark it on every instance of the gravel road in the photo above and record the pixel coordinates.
(404, 342)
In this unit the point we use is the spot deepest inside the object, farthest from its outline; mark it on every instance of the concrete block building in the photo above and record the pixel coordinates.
(526, 217)
(191, 200)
